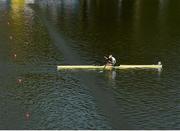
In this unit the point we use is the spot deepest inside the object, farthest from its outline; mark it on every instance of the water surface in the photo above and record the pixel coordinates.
(36, 36)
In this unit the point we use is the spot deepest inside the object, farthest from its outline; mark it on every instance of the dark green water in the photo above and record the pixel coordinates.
(37, 36)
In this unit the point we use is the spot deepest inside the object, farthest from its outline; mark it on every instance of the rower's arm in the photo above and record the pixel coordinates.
(105, 57)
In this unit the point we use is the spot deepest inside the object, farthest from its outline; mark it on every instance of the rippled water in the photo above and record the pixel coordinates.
(36, 36)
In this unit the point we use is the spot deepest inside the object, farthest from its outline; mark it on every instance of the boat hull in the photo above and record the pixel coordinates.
(91, 67)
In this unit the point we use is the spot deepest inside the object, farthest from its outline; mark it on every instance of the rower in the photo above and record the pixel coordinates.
(111, 61)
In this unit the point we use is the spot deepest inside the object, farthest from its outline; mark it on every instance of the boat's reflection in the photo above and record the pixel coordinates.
(111, 75)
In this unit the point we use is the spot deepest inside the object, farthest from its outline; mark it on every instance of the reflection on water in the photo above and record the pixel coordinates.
(38, 35)
(112, 78)
(111, 75)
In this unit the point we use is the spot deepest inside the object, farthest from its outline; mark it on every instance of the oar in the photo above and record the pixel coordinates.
(105, 64)
(104, 67)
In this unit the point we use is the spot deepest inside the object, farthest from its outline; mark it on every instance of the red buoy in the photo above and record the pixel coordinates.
(15, 55)
(19, 80)
(10, 37)
(27, 115)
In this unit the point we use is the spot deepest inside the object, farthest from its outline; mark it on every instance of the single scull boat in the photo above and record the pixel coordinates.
(95, 67)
